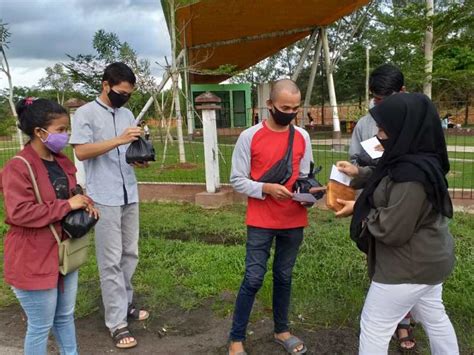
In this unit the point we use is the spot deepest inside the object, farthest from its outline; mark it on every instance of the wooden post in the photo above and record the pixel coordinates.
(207, 102)
(72, 105)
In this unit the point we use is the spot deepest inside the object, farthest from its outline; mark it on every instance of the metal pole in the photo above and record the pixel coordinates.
(304, 55)
(312, 76)
(367, 69)
(427, 85)
(187, 93)
(331, 88)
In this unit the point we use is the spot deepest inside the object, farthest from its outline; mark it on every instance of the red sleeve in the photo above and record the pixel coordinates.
(22, 208)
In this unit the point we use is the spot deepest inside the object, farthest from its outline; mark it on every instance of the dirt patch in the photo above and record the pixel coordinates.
(175, 331)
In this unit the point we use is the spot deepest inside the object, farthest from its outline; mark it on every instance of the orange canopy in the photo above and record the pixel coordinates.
(240, 33)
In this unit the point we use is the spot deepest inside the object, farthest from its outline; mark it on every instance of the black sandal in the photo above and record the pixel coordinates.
(120, 334)
(410, 337)
(134, 313)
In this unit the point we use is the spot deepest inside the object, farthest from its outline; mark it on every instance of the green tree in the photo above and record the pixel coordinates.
(87, 69)
(58, 79)
(397, 36)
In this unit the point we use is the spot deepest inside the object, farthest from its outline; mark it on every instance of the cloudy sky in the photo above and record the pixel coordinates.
(43, 31)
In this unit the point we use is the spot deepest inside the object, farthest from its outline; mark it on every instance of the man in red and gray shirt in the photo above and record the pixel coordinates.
(271, 212)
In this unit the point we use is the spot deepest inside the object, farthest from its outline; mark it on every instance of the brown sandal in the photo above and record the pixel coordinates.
(410, 337)
(120, 334)
(134, 313)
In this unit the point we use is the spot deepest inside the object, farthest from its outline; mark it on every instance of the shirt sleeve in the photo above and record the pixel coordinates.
(359, 181)
(355, 148)
(81, 129)
(240, 172)
(307, 157)
(132, 119)
(396, 223)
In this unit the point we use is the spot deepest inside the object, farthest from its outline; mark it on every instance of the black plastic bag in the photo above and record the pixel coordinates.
(303, 185)
(78, 223)
(140, 151)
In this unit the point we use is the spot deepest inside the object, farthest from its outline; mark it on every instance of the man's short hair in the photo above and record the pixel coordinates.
(117, 73)
(385, 80)
(283, 85)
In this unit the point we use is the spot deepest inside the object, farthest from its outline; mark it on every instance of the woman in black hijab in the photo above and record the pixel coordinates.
(401, 222)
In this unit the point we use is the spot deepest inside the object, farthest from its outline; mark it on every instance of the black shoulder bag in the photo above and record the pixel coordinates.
(282, 170)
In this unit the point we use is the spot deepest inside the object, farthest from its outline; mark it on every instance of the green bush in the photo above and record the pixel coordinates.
(7, 126)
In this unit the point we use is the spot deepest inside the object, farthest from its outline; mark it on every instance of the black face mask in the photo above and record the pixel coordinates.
(282, 118)
(118, 100)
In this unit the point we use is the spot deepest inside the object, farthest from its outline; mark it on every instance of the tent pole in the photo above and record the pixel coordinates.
(312, 76)
(304, 55)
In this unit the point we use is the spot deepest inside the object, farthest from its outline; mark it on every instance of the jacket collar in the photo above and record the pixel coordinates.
(38, 166)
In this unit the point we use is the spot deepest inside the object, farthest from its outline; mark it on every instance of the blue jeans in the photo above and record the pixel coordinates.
(259, 243)
(46, 309)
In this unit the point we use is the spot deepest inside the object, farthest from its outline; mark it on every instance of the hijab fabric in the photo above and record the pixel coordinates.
(415, 151)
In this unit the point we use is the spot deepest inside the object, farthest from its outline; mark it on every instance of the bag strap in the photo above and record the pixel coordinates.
(37, 193)
(289, 151)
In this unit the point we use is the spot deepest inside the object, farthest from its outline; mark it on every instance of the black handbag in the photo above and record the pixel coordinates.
(303, 185)
(78, 223)
(140, 151)
(282, 170)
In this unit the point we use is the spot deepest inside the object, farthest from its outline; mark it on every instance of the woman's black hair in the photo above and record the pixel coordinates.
(34, 113)
(118, 72)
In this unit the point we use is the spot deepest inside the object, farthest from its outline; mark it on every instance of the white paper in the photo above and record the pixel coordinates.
(304, 197)
(338, 176)
(369, 146)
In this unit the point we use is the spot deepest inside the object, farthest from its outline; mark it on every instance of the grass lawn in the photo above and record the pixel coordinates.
(460, 140)
(188, 255)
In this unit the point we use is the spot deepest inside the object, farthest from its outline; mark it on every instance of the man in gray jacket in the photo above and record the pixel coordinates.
(384, 81)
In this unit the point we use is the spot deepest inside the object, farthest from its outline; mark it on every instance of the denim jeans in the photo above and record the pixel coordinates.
(259, 243)
(50, 309)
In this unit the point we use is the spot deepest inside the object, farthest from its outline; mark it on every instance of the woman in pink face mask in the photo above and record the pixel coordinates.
(30, 249)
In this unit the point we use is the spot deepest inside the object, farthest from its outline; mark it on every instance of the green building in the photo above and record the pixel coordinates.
(236, 104)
